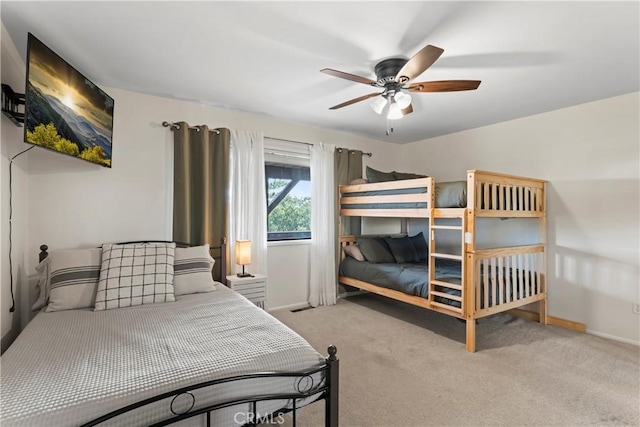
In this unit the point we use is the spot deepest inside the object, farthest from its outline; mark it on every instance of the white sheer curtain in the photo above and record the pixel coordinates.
(322, 268)
(248, 206)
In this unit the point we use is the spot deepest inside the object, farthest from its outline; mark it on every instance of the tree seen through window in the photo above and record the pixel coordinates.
(288, 202)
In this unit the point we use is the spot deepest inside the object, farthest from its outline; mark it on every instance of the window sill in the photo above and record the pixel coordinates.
(289, 242)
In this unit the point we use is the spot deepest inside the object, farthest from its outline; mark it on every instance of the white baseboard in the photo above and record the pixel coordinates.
(613, 337)
(290, 306)
(306, 304)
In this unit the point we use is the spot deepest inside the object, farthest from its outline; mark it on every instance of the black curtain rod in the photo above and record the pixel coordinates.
(349, 149)
(175, 126)
(290, 140)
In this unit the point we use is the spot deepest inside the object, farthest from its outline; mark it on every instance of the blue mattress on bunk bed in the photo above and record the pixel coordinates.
(408, 278)
(447, 195)
(413, 278)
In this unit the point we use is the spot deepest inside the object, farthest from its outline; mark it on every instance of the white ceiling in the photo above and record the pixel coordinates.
(265, 57)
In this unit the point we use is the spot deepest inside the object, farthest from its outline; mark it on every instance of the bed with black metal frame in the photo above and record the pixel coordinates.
(308, 386)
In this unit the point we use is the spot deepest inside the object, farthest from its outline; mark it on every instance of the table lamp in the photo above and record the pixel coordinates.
(243, 255)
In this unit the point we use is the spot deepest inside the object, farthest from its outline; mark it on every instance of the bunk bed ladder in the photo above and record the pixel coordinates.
(446, 295)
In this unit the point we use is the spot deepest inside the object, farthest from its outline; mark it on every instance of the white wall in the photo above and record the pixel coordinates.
(288, 275)
(13, 74)
(590, 156)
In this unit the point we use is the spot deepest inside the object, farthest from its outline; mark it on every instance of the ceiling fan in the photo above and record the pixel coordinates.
(394, 77)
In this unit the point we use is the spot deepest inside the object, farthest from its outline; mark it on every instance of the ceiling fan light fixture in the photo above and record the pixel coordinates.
(378, 104)
(403, 99)
(395, 112)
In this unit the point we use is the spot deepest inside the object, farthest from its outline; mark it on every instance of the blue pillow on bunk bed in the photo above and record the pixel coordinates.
(402, 249)
(397, 176)
(375, 249)
(420, 245)
(378, 176)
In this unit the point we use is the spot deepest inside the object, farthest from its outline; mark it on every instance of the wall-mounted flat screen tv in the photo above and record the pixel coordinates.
(64, 110)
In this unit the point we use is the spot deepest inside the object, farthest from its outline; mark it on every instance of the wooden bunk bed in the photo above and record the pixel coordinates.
(491, 280)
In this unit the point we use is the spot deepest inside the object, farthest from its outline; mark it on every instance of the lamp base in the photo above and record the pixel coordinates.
(245, 275)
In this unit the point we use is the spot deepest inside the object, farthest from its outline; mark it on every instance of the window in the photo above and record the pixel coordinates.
(288, 187)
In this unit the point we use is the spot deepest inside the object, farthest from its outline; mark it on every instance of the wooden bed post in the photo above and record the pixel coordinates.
(471, 334)
(470, 231)
(223, 260)
(331, 402)
(542, 237)
(470, 302)
(469, 278)
(43, 252)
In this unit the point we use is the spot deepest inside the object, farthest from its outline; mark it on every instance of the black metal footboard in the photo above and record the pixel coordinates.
(306, 387)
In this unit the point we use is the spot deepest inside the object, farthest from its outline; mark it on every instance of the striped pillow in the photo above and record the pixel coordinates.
(192, 270)
(135, 274)
(73, 278)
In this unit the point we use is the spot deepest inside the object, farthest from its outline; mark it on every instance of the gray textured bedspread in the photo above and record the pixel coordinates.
(69, 367)
(412, 279)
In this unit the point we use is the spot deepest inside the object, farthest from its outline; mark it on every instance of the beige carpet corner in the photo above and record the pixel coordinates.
(405, 366)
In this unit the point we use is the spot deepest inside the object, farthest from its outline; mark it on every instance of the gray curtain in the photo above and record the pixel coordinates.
(348, 166)
(201, 186)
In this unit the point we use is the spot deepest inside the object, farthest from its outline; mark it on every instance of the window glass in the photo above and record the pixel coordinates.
(288, 201)
(288, 187)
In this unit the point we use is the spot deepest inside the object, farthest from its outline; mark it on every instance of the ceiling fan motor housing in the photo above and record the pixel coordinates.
(387, 70)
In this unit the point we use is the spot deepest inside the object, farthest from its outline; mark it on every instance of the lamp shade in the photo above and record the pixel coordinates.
(403, 99)
(378, 104)
(394, 112)
(243, 252)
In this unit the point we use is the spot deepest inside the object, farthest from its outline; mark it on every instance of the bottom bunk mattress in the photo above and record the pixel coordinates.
(504, 284)
(70, 367)
(409, 278)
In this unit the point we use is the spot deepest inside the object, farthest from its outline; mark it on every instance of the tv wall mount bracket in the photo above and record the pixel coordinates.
(11, 102)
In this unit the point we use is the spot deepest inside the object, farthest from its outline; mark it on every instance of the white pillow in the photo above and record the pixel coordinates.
(68, 279)
(359, 181)
(135, 274)
(74, 278)
(43, 269)
(353, 251)
(192, 270)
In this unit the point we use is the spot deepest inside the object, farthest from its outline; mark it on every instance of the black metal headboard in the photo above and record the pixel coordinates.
(219, 253)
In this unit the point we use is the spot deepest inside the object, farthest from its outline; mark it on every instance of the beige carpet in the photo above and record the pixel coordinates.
(405, 366)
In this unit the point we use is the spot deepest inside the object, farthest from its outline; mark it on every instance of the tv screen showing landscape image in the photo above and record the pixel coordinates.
(65, 111)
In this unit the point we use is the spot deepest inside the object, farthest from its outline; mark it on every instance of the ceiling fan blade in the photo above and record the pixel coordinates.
(352, 77)
(354, 100)
(444, 86)
(419, 63)
(407, 110)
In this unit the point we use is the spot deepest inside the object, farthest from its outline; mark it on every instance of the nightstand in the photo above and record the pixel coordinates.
(253, 288)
